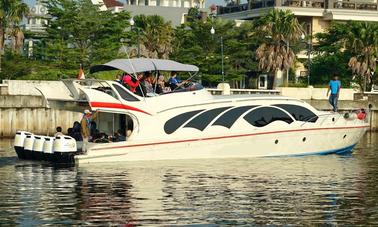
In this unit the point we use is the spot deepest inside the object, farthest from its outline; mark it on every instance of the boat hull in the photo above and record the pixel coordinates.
(295, 142)
(20, 152)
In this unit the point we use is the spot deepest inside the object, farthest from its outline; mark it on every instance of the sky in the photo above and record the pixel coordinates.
(208, 2)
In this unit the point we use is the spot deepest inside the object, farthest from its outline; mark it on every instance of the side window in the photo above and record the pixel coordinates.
(203, 120)
(299, 113)
(265, 115)
(174, 123)
(125, 94)
(228, 119)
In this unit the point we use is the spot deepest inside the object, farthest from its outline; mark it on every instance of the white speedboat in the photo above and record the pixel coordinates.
(190, 123)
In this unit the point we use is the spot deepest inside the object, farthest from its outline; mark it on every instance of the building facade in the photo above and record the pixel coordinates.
(171, 10)
(35, 27)
(316, 15)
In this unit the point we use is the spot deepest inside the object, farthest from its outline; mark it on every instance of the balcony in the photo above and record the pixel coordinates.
(299, 5)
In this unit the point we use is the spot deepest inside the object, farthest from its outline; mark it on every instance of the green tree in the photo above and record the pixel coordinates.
(79, 33)
(361, 40)
(193, 14)
(156, 36)
(194, 44)
(11, 14)
(277, 30)
(355, 45)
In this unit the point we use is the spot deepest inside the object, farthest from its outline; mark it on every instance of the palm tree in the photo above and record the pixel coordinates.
(11, 14)
(277, 29)
(361, 39)
(156, 36)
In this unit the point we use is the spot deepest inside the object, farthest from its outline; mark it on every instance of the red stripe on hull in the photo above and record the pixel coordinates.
(226, 137)
(116, 106)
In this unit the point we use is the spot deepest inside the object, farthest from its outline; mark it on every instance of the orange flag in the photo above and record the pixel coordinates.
(81, 74)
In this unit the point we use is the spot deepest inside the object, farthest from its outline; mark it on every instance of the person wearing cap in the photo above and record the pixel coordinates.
(86, 122)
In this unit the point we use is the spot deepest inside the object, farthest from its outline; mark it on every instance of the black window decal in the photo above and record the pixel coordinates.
(174, 123)
(263, 116)
(125, 94)
(299, 113)
(228, 118)
(203, 120)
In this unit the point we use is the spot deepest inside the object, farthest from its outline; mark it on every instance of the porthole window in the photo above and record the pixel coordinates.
(299, 113)
(304, 139)
(263, 116)
(276, 141)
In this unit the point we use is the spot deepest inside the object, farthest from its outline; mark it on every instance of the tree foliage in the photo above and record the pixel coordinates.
(11, 14)
(156, 36)
(79, 33)
(277, 29)
(194, 44)
(355, 45)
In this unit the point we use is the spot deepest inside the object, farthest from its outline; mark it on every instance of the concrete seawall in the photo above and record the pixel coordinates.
(20, 112)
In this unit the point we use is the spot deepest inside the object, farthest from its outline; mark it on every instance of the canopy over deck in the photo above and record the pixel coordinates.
(137, 65)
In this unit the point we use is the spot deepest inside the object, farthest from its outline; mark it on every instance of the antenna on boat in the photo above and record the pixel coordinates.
(135, 75)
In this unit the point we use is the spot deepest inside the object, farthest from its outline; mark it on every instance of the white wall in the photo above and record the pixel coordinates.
(315, 93)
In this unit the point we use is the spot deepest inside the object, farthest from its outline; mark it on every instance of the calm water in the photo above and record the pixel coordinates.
(313, 190)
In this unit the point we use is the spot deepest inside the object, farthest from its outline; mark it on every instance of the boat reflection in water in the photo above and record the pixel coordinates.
(277, 191)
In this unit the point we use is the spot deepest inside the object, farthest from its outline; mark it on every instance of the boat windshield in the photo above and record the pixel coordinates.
(190, 86)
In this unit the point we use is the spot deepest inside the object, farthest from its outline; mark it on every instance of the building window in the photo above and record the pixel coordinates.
(299, 113)
(174, 123)
(203, 120)
(263, 116)
(230, 117)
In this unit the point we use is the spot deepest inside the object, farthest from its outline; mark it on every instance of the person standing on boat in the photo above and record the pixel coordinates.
(334, 86)
(86, 122)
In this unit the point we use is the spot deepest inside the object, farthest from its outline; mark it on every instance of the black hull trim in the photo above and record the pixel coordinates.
(20, 152)
(63, 157)
(56, 157)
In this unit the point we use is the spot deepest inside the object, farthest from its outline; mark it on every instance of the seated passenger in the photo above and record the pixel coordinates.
(130, 82)
(102, 139)
(141, 89)
(173, 81)
(70, 132)
(119, 78)
(118, 136)
(58, 131)
(148, 81)
(160, 86)
(76, 131)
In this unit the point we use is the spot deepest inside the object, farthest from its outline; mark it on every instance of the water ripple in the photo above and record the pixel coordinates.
(314, 190)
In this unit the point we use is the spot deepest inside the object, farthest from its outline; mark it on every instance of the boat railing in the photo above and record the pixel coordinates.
(235, 91)
(335, 117)
(323, 118)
